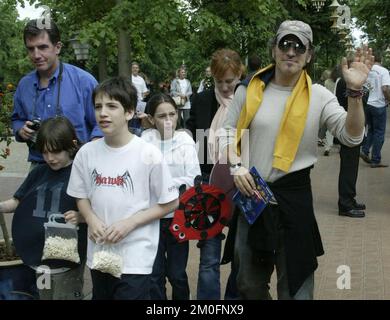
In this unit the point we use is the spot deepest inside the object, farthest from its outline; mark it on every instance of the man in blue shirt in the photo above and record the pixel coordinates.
(54, 88)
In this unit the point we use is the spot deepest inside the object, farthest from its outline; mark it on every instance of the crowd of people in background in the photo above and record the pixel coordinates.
(113, 156)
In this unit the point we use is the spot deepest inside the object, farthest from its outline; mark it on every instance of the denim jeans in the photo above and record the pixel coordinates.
(254, 277)
(209, 284)
(135, 127)
(171, 262)
(376, 121)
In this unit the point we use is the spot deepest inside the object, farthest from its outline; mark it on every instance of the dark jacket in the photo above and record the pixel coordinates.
(295, 215)
(204, 105)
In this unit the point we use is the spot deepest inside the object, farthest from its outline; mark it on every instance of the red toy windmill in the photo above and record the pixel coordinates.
(203, 212)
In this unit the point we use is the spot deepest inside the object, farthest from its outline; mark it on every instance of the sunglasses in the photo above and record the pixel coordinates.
(298, 47)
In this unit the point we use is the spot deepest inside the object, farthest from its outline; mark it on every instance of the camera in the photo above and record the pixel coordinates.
(36, 124)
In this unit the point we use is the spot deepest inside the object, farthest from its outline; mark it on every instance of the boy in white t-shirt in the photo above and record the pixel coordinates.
(123, 187)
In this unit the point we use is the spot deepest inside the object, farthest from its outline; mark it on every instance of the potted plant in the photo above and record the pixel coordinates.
(11, 267)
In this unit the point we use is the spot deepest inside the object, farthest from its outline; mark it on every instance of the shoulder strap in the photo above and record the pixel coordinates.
(335, 86)
(59, 80)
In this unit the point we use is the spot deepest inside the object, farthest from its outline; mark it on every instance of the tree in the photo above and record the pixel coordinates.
(247, 26)
(12, 52)
(102, 24)
(373, 17)
(161, 34)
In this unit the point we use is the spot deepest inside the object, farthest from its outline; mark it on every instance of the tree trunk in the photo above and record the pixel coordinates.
(124, 52)
(102, 58)
(7, 241)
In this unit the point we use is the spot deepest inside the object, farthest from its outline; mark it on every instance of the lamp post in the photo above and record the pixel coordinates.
(81, 51)
(349, 45)
(341, 18)
(387, 56)
(334, 17)
(318, 4)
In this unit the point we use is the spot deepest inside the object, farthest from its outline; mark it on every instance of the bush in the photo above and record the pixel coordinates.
(6, 106)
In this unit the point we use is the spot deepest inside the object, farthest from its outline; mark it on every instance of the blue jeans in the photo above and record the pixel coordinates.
(209, 284)
(376, 121)
(135, 127)
(171, 262)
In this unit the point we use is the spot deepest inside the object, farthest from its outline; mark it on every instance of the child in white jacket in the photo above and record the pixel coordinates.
(179, 152)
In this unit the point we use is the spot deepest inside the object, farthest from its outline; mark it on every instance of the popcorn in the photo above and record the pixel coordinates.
(61, 248)
(107, 262)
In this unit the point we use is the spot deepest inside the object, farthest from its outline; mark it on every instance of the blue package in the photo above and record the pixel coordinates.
(254, 205)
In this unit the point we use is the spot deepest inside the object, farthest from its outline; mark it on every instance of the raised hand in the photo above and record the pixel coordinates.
(355, 75)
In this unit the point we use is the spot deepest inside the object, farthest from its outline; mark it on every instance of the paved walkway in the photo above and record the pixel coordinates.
(363, 245)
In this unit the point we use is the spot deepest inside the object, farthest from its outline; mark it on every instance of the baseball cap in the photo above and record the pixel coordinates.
(297, 28)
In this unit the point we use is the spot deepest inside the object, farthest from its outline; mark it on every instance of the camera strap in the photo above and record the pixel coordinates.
(58, 107)
(59, 79)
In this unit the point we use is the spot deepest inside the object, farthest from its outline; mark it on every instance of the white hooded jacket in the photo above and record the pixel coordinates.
(180, 155)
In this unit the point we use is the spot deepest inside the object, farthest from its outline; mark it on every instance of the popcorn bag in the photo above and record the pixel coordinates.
(61, 240)
(107, 258)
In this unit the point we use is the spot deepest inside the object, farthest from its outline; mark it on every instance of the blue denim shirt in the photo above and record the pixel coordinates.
(76, 103)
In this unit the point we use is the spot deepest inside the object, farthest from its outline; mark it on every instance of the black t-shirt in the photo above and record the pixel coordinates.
(41, 194)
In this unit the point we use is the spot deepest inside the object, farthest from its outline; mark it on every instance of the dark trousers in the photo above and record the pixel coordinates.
(349, 167)
(128, 287)
(254, 275)
(171, 263)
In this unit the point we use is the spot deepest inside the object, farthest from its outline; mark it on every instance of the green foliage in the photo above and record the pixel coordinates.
(153, 26)
(373, 17)
(6, 106)
(12, 52)
(164, 33)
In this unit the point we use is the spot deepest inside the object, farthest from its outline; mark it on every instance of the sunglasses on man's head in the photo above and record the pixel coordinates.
(298, 47)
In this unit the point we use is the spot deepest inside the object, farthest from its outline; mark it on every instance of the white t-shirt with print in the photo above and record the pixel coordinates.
(377, 78)
(120, 182)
